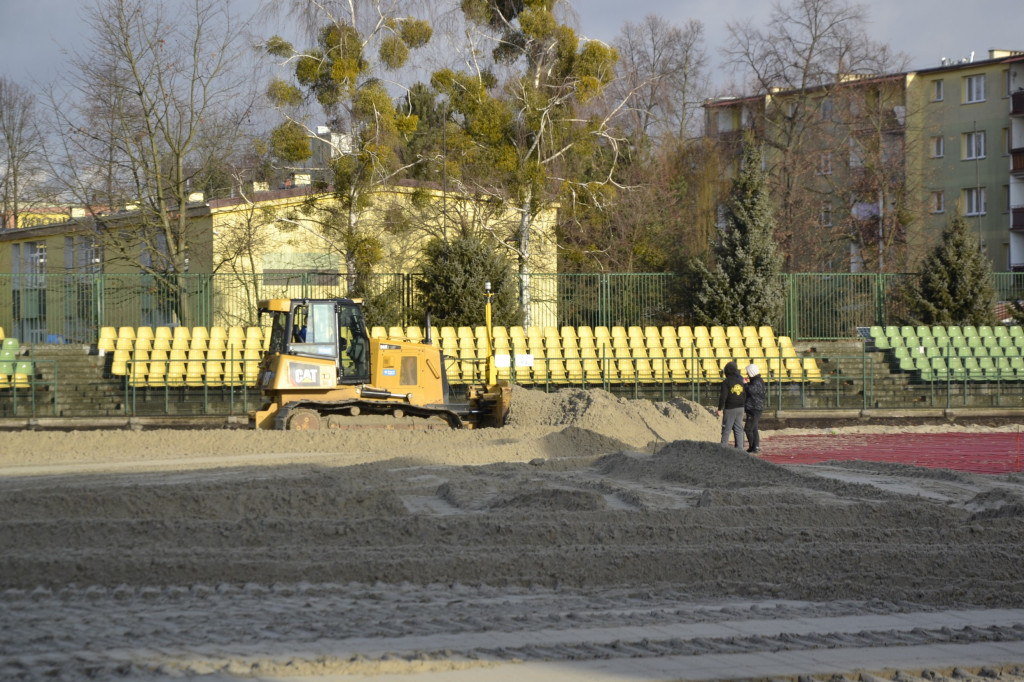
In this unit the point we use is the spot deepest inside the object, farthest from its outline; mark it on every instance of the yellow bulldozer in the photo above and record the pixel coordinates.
(322, 370)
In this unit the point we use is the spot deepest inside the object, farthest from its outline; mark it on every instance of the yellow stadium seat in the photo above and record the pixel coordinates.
(157, 373)
(163, 332)
(378, 332)
(126, 333)
(626, 370)
(182, 333)
(811, 370)
(644, 371)
(200, 333)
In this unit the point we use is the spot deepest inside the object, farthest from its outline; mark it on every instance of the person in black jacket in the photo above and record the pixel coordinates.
(757, 391)
(731, 401)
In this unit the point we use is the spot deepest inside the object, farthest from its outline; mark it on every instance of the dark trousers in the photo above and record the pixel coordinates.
(750, 428)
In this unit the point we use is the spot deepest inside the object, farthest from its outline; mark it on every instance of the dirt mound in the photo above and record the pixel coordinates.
(636, 422)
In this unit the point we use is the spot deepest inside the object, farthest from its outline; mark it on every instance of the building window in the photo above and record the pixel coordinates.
(974, 201)
(1006, 83)
(937, 90)
(826, 109)
(296, 277)
(826, 214)
(856, 154)
(974, 145)
(974, 89)
(825, 163)
(938, 202)
(938, 147)
(1007, 142)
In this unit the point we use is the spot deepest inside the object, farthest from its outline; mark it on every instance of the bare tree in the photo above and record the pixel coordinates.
(663, 77)
(21, 147)
(808, 50)
(156, 96)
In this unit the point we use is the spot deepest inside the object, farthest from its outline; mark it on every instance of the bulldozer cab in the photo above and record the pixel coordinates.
(324, 329)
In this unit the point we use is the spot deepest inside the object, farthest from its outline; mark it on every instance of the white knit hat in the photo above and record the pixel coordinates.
(752, 370)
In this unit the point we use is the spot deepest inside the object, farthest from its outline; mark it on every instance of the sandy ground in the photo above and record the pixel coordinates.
(592, 538)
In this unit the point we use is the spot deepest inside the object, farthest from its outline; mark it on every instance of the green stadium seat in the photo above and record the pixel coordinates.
(907, 364)
(956, 369)
(1016, 330)
(879, 338)
(973, 370)
(985, 330)
(939, 370)
(954, 330)
(24, 373)
(938, 331)
(1005, 370)
(924, 368)
(996, 352)
(901, 352)
(1000, 331)
(1017, 364)
(1011, 352)
(970, 330)
(924, 331)
(988, 368)
(907, 331)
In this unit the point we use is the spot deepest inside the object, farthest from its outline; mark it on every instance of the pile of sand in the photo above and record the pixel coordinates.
(568, 423)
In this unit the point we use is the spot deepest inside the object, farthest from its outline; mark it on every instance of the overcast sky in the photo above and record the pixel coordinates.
(33, 31)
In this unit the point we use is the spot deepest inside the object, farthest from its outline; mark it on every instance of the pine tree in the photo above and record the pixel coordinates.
(452, 287)
(955, 286)
(744, 287)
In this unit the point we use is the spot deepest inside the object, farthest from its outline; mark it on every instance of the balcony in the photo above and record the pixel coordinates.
(1017, 218)
(1017, 103)
(1017, 161)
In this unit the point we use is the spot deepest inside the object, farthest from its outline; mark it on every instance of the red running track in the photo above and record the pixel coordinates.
(979, 453)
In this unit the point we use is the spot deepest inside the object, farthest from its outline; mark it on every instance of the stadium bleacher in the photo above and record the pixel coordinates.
(952, 353)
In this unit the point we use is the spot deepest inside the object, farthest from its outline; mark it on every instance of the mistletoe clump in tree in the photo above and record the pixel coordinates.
(357, 43)
(744, 287)
(525, 114)
(955, 286)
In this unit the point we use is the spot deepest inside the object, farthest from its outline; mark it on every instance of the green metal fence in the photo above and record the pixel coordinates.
(59, 308)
